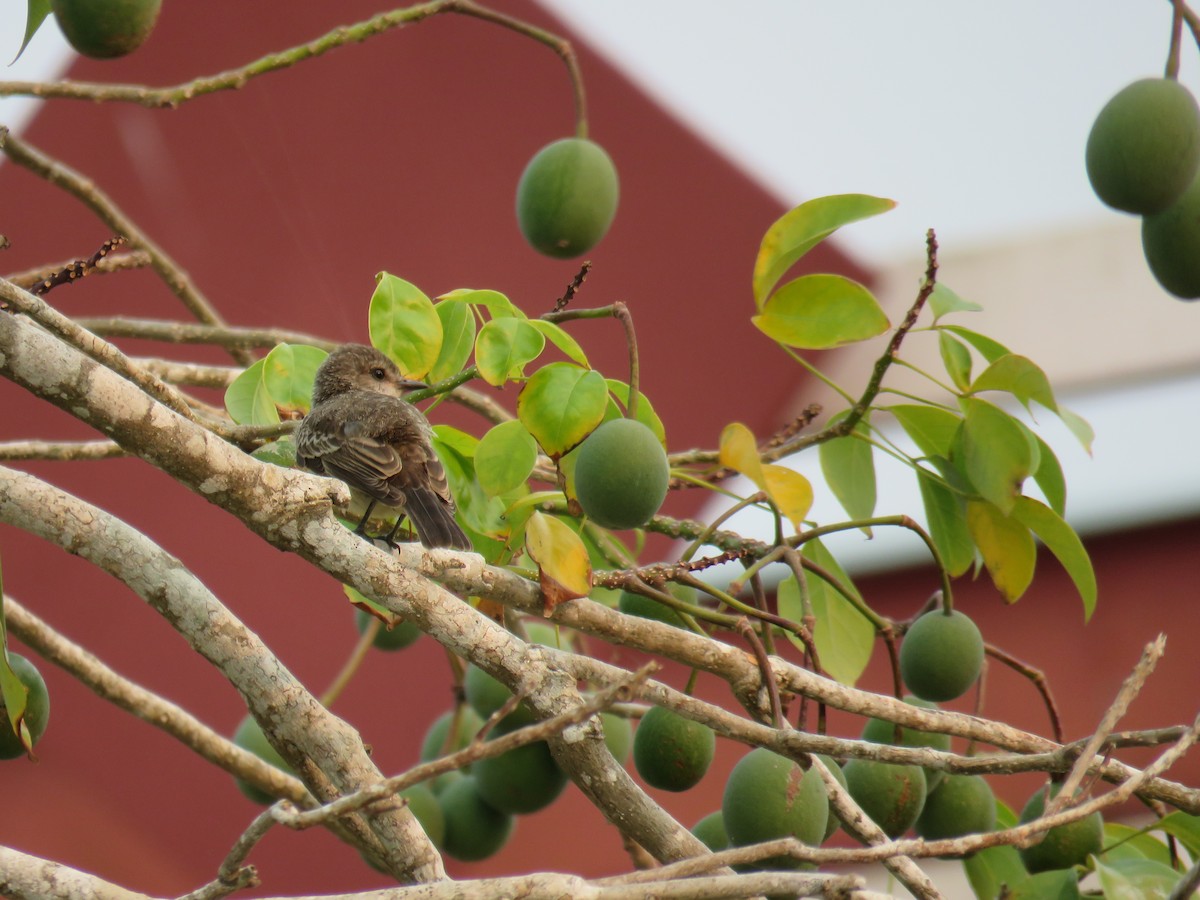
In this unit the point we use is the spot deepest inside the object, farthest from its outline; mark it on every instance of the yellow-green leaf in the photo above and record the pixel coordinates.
(505, 457)
(739, 451)
(1061, 540)
(404, 325)
(944, 301)
(998, 456)
(645, 412)
(562, 560)
(559, 337)
(957, 360)
(1007, 548)
(931, 428)
(790, 491)
(504, 347)
(799, 230)
(458, 339)
(561, 404)
(288, 373)
(817, 312)
(1019, 376)
(848, 464)
(945, 513)
(247, 399)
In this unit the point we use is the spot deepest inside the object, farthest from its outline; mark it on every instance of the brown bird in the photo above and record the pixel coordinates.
(360, 430)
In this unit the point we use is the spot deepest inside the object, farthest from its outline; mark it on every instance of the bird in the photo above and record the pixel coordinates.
(362, 431)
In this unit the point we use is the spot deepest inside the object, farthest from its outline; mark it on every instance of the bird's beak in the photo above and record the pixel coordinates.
(408, 384)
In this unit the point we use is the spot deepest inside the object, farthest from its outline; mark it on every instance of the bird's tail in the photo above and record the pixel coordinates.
(434, 520)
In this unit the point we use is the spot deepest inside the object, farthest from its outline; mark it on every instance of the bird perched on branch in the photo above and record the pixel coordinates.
(360, 430)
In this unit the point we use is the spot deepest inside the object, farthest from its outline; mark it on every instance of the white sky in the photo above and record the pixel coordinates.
(973, 116)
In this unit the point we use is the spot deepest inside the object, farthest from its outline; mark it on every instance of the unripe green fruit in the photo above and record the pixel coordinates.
(672, 753)
(962, 804)
(399, 636)
(835, 769)
(647, 608)
(891, 795)
(710, 831)
(941, 656)
(567, 197)
(621, 474)
(881, 731)
(1171, 242)
(485, 693)
(425, 806)
(474, 830)
(249, 736)
(37, 708)
(435, 744)
(1144, 147)
(769, 796)
(520, 781)
(618, 736)
(103, 29)
(1065, 846)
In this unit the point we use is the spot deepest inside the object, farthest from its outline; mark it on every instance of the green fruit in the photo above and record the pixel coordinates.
(962, 804)
(1171, 242)
(621, 474)
(769, 796)
(249, 736)
(520, 781)
(424, 805)
(672, 753)
(1144, 147)
(474, 830)
(37, 708)
(444, 781)
(941, 655)
(618, 736)
(548, 635)
(435, 744)
(648, 608)
(711, 832)
(567, 197)
(835, 769)
(881, 731)
(103, 29)
(485, 693)
(397, 637)
(892, 796)
(1065, 846)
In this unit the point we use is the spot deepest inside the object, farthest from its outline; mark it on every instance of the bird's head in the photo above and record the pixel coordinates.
(357, 367)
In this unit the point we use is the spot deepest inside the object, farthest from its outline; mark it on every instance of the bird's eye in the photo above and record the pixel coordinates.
(378, 373)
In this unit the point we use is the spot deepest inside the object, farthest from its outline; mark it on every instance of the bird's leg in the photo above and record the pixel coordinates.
(391, 535)
(361, 529)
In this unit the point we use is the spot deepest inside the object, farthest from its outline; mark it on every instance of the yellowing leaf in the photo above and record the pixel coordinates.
(1006, 545)
(739, 451)
(790, 491)
(564, 569)
(817, 312)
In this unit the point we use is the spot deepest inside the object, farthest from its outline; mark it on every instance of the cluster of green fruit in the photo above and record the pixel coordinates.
(1143, 157)
(37, 708)
(103, 29)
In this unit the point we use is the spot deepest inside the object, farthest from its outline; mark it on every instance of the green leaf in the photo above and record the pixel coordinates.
(1019, 376)
(1123, 842)
(495, 302)
(997, 456)
(1049, 477)
(1061, 540)
(944, 301)
(13, 691)
(247, 399)
(458, 339)
(404, 325)
(1136, 879)
(505, 457)
(1059, 884)
(288, 373)
(931, 428)
(844, 636)
(816, 312)
(559, 337)
(281, 452)
(1007, 548)
(645, 411)
(1184, 828)
(957, 360)
(35, 15)
(1079, 427)
(848, 464)
(991, 869)
(561, 404)
(504, 347)
(801, 229)
(483, 516)
(946, 515)
(991, 350)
